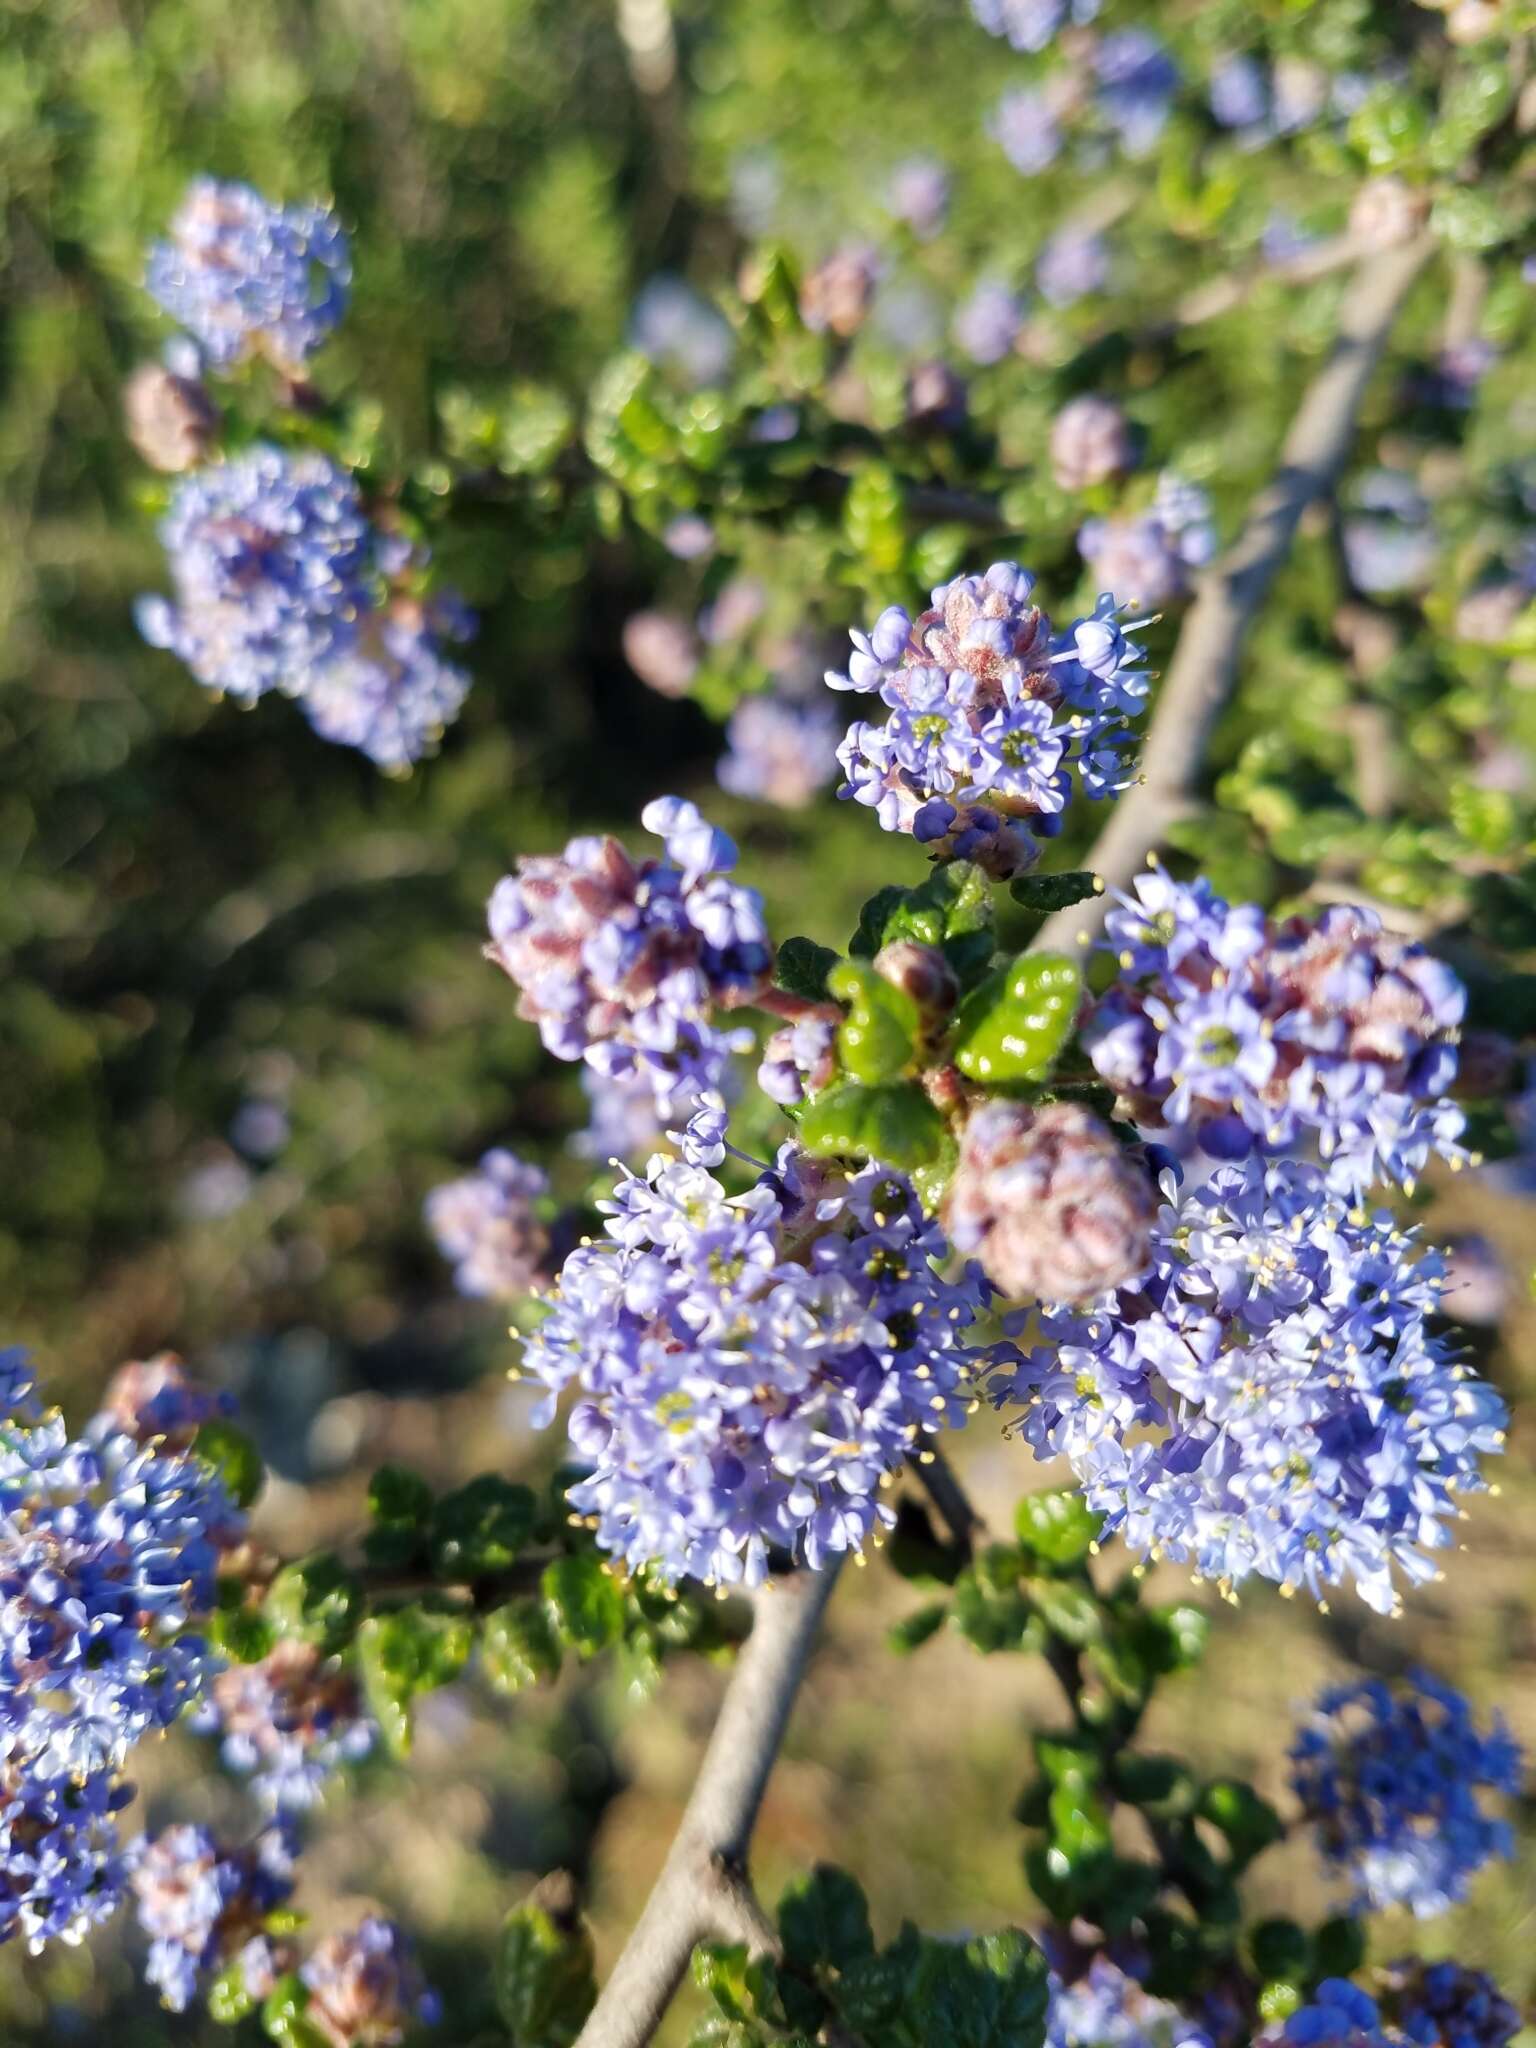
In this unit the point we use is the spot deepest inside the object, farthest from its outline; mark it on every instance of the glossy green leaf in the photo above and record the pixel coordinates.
(316, 1600)
(824, 1919)
(543, 1973)
(1044, 893)
(894, 1123)
(876, 1039)
(400, 1655)
(1011, 1028)
(519, 1647)
(801, 967)
(585, 1603)
(234, 1457)
(1058, 1528)
(480, 1528)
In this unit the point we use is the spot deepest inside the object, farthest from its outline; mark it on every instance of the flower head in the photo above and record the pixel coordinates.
(1108, 2009)
(750, 1368)
(780, 750)
(1389, 1777)
(365, 1987)
(287, 1723)
(1271, 1395)
(245, 277)
(203, 1905)
(485, 1223)
(1445, 2005)
(391, 693)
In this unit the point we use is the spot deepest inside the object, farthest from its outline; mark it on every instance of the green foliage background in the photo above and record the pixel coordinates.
(200, 907)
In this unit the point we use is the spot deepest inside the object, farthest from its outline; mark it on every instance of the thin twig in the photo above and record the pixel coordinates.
(703, 1891)
(937, 1477)
(1204, 667)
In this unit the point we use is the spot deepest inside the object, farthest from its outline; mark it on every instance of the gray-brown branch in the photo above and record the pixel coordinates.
(1204, 667)
(703, 1892)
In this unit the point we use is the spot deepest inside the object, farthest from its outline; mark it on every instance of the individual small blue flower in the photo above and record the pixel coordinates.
(486, 1223)
(1073, 264)
(1271, 1396)
(245, 277)
(202, 1905)
(1446, 2005)
(1137, 82)
(271, 558)
(1389, 1776)
(750, 1368)
(1032, 24)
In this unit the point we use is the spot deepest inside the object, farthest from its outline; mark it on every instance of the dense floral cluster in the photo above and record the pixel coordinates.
(287, 1723)
(1389, 1776)
(1271, 1397)
(1146, 559)
(1243, 1035)
(1340, 2015)
(1107, 2009)
(246, 277)
(486, 1224)
(752, 1368)
(1443, 2005)
(280, 585)
(108, 1550)
(779, 750)
(619, 962)
(989, 713)
(204, 1906)
(365, 1987)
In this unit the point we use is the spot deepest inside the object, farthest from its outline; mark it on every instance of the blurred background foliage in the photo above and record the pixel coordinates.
(244, 1023)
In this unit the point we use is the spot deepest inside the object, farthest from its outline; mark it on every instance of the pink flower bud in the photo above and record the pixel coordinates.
(1048, 1202)
(921, 972)
(171, 420)
(1090, 443)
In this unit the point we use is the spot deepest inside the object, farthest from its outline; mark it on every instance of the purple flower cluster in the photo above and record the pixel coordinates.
(1249, 1036)
(751, 1368)
(1389, 1777)
(987, 324)
(204, 1906)
(1270, 1397)
(365, 1988)
(245, 277)
(280, 584)
(1259, 101)
(1389, 538)
(1340, 2015)
(1137, 81)
(1073, 264)
(919, 195)
(1108, 2009)
(287, 1724)
(1032, 24)
(779, 750)
(1444, 2005)
(108, 1553)
(485, 1223)
(1146, 559)
(681, 332)
(989, 713)
(1026, 125)
(620, 961)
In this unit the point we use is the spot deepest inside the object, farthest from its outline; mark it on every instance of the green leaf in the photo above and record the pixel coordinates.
(721, 1974)
(1058, 1528)
(228, 2000)
(876, 1039)
(243, 1634)
(802, 967)
(990, 1609)
(282, 2015)
(873, 919)
(952, 910)
(538, 423)
(399, 1503)
(1280, 1949)
(1161, 1786)
(1338, 1947)
(1278, 1999)
(1011, 1028)
(1068, 1609)
(1476, 220)
(913, 1630)
(1248, 1822)
(585, 1603)
(1045, 893)
(480, 1528)
(543, 1974)
(824, 1919)
(519, 1648)
(1391, 127)
(1475, 100)
(234, 1457)
(315, 1600)
(403, 1654)
(990, 1993)
(1488, 819)
(1172, 1638)
(1069, 1760)
(894, 1123)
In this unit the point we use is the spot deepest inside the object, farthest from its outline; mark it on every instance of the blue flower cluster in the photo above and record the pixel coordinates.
(989, 714)
(245, 277)
(780, 750)
(1389, 1777)
(1146, 558)
(282, 584)
(1340, 2015)
(485, 1223)
(1444, 2005)
(751, 1369)
(1137, 81)
(619, 962)
(204, 1906)
(108, 1555)
(1270, 1397)
(1108, 2009)
(365, 1987)
(287, 1724)
(1032, 24)
(1247, 1036)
